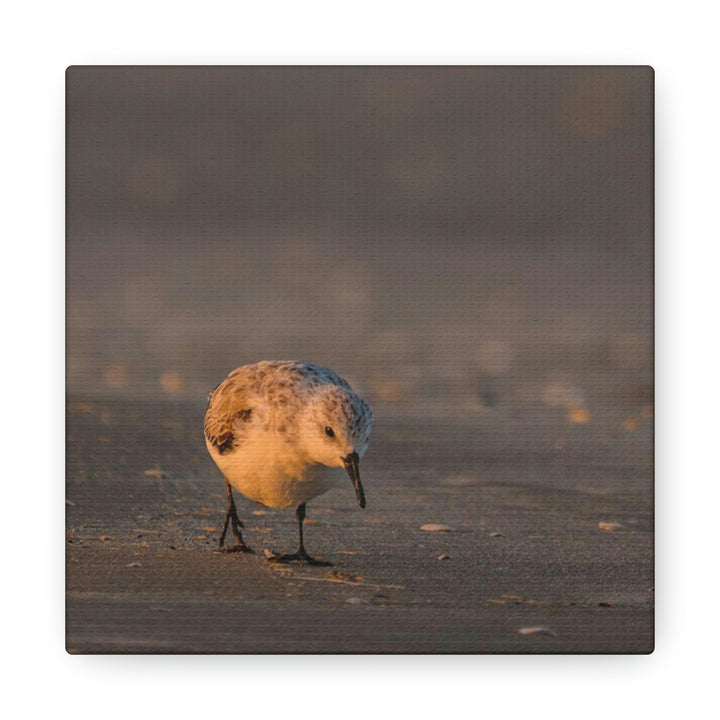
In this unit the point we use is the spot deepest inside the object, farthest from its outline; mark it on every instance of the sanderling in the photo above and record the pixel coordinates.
(281, 433)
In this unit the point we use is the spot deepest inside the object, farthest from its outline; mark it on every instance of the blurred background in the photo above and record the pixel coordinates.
(449, 239)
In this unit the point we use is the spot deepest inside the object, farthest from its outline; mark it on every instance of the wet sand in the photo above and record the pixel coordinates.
(522, 492)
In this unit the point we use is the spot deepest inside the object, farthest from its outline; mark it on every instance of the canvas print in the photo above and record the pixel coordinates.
(359, 359)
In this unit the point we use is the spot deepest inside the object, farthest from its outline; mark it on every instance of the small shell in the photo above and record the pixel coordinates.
(436, 527)
(609, 526)
(356, 601)
(537, 630)
(154, 473)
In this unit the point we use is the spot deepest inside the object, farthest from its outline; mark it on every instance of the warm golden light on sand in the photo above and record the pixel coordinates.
(172, 383)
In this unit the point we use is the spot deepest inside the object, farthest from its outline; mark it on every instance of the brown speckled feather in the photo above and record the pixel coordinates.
(228, 406)
(248, 389)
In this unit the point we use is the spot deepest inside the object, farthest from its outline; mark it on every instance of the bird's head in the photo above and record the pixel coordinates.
(335, 430)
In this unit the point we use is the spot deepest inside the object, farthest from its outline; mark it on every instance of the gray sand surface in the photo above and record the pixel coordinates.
(523, 493)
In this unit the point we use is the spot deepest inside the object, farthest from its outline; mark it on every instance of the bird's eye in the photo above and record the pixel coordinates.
(329, 432)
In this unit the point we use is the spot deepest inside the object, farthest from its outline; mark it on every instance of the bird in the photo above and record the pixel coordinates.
(283, 432)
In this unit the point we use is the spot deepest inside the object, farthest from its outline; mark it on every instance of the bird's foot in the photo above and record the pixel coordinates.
(300, 557)
(237, 548)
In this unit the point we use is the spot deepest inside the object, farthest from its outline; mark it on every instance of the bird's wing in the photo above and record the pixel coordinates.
(228, 410)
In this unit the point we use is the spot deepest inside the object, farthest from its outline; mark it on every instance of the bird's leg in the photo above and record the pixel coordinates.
(300, 515)
(301, 555)
(232, 518)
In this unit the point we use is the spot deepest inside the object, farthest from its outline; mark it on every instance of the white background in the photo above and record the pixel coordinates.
(41, 39)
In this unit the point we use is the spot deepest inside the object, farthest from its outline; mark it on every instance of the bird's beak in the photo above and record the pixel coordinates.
(351, 463)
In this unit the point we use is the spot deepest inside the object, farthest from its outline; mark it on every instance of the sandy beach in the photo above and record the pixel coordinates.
(546, 546)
